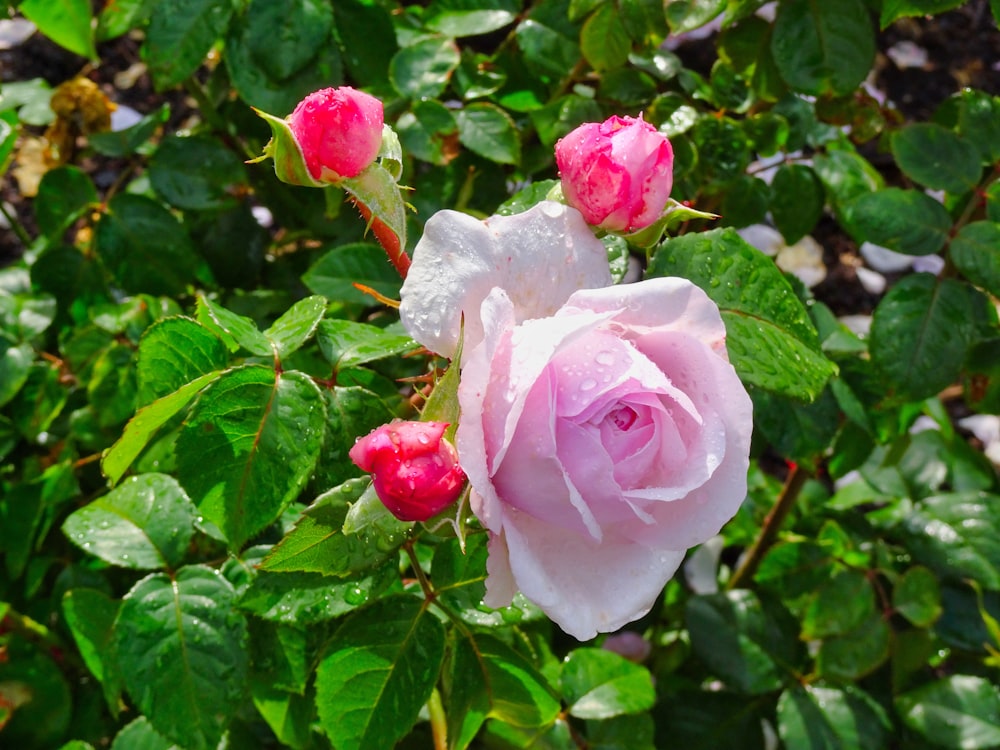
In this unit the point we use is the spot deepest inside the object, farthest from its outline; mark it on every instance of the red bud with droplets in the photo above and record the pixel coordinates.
(414, 468)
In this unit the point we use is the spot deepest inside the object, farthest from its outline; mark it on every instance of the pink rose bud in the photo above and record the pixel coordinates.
(414, 469)
(617, 173)
(339, 131)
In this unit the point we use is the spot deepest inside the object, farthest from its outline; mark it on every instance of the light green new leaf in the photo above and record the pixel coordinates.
(182, 647)
(235, 330)
(68, 23)
(378, 671)
(248, 447)
(145, 523)
(296, 325)
(600, 684)
(318, 543)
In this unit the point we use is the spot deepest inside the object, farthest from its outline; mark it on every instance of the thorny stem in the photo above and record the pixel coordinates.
(387, 239)
(769, 531)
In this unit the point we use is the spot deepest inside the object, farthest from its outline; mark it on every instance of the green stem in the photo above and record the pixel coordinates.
(15, 225)
(439, 723)
(769, 531)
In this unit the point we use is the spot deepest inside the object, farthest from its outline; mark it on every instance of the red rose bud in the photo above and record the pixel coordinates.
(338, 130)
(617, 173)
(414, 469)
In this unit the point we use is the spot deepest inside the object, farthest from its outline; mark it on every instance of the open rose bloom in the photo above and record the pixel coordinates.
(602, 428)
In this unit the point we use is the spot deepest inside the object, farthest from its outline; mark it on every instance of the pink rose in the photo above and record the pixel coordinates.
(601, 443)
(617, 173)
(414, 469)
(339, 131)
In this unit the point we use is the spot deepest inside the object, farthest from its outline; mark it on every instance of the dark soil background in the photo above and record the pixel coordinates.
(962, 46)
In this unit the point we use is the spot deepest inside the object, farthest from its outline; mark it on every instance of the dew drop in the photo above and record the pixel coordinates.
(605, 358)
(588, 385)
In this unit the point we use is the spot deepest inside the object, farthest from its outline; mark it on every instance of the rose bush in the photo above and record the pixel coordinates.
(339, 131)
(617, 173)
(414, 469)
(602, 429)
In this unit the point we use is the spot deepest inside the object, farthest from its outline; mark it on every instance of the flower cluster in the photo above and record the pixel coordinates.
(602, 429)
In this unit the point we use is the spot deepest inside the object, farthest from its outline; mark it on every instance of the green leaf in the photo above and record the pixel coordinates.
(40, 400)
(952, 534)
(960, 712)
(335, 273)
(296, 325)
(288, 715)
(180, 35)
(907, 221)
(284, 37)
(141, 428)
(367, 40)
(140, 735)
(145, 247)
(125, 142)
(851, 656)
(937, 157)
(979, 122)
(279, 655)
(603, 40)
(235, 330)
(122, 16)
(917, 596)
(893, 10)
(487, 130)
(846, 175)
(378, 671)
(318, 543)
(839, 606)
(826, 47)
(600, 684)
(28, 672)
(30, 99)
(307, 599)
(458, 18)
(422, 70)
(428, 131)
(249, 446)
(812, 717)
(90, 615)
(490, 680)
(547, 41)
(64, 194)
(112, 388)
(771, 341)
(740, 641)
(173, 352)
(182, 650)
(688, 15)
(68, 23)
(800, 432)
(797, 201)
(15, 364)
(197, 172)
(345, 343)
(920, 333)
(146, 523)
(975, 250)
(354, 411)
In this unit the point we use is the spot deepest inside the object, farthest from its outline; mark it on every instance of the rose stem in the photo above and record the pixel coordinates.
(769, 531)
(439, 724)
(387, 239)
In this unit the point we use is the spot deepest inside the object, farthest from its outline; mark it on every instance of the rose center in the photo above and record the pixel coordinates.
(623, 417)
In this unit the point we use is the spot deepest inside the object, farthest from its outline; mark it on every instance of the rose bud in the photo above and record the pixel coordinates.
(338, 130)
(414, 469)
(617, 173)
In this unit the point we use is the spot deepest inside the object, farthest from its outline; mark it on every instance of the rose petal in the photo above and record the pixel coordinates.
(584, 586)
(540, 257)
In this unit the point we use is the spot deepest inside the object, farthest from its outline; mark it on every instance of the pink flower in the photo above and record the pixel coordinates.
(601, 443)
(414, 469)
(617, 173)
(339, 131)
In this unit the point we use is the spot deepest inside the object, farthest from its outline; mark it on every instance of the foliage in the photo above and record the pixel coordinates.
(190, 559)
